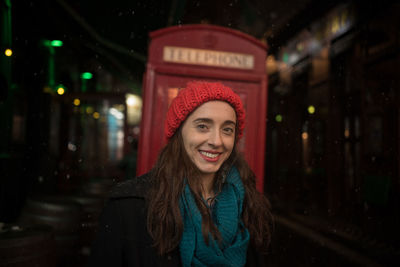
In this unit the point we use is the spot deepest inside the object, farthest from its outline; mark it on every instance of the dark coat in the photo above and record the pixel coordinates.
(122, 238)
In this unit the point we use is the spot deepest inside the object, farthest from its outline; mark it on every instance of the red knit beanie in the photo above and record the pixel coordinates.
(195, 94)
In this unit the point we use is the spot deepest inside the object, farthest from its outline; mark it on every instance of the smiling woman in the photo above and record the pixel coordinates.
(208, 137)
(199, 205)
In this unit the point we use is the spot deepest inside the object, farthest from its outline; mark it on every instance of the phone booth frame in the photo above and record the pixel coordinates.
(179, 54)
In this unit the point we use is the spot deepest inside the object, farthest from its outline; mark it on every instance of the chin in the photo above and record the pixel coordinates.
(208, 170)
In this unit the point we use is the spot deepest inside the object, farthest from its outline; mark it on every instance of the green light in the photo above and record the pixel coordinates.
(311, 109)
(56, 43)
(89, 110)
(86, 75)
(278, 118)
(285, 57)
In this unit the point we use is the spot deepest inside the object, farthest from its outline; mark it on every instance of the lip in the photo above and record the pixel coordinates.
(208, 158)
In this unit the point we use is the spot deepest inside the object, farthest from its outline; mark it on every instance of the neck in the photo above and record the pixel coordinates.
(207, 182)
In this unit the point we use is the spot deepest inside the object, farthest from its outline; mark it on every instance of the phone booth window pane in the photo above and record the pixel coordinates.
(172, 93)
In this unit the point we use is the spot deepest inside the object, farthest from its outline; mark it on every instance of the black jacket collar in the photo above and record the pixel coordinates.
(136, 187)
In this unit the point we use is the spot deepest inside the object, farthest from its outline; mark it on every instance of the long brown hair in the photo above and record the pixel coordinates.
(164, 220)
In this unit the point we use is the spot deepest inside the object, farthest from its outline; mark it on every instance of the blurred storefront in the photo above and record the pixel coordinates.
(333, 129)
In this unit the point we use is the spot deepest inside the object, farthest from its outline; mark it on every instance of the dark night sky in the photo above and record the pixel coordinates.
(115, 33)
(126, 24)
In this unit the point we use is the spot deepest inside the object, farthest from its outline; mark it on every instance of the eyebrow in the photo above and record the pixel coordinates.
(207, 120)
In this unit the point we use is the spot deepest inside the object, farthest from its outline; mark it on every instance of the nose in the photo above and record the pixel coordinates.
(215, 138)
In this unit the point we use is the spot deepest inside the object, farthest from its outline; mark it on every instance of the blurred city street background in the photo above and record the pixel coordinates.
(71, 97)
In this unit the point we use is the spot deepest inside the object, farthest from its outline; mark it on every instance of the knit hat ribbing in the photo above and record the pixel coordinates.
(195, 94)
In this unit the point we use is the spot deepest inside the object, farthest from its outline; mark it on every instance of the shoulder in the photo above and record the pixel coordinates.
(136, 187)
(126, 205)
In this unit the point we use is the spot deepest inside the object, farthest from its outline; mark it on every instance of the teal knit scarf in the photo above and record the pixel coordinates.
(227, 213)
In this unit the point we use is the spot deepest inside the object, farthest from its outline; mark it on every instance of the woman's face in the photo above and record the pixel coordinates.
(209, 135)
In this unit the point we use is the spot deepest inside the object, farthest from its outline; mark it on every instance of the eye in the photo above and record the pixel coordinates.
(202, 127)
(228, 130)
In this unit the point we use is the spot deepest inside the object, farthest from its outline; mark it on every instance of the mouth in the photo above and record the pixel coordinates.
(210, 156)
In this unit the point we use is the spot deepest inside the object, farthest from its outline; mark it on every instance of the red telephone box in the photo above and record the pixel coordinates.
(180, 54)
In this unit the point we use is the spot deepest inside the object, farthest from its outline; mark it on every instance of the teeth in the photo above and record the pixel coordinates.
(207, 154)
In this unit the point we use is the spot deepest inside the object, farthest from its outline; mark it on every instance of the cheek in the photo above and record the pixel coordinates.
(190, 145)
(186, 140)
(187, 146)
(230, 144)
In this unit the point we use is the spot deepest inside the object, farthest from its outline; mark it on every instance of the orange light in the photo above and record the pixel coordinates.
(60, 91)
(347, 133)
(8, 52)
